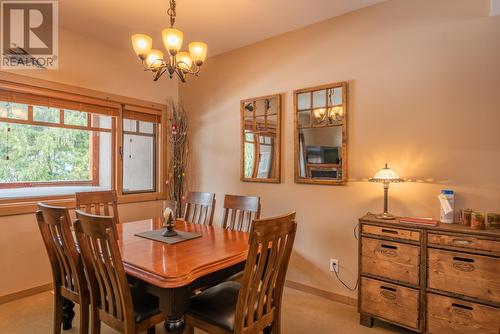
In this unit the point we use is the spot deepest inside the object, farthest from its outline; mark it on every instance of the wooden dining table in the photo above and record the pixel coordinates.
(173, 272)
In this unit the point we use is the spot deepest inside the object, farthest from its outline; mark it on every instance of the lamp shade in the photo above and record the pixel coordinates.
(154, 59)
(142, 44)
(184, 61)
(198, 52)
(172, 38)
(386, 175)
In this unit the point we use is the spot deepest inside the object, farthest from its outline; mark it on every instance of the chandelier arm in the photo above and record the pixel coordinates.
(180, 74)
(159, 73)
(189, 69)
(194, 71)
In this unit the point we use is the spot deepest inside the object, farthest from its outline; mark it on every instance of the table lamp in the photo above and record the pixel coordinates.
(386, 175)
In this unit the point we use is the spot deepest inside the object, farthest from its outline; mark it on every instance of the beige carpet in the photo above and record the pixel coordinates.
(302, 314)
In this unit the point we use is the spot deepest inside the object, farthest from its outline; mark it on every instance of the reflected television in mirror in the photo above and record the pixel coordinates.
(320, 134)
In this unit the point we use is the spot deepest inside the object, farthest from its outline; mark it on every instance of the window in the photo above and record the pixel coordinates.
(54, 143)
(44, 146)
(139, 155)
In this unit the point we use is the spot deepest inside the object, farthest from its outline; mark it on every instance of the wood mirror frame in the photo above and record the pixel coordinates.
(261, 115)
(321, 113)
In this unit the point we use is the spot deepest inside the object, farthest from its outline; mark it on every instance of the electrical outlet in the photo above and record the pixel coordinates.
(334, 265)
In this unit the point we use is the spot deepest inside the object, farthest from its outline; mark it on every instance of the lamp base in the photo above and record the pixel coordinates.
(386, 216)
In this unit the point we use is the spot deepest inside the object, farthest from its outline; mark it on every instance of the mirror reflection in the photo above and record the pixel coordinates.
(261, 139)
(320, 137)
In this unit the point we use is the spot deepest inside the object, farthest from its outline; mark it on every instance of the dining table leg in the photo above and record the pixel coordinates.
(174, 303)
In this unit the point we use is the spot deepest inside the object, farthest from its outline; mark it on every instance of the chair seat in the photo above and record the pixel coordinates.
(216, 305)
(145, 304)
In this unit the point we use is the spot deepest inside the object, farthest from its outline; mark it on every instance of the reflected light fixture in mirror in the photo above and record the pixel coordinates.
(260, 139)
(321, 134)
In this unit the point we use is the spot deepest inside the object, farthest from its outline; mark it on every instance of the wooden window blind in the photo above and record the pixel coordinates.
(112, 109)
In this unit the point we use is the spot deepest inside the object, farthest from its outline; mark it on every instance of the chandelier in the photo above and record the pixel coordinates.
(177, 62)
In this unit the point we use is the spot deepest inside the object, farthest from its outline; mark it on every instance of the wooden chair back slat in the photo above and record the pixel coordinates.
(259, 298)
(240, 211)
(62, 257)
(199, 208)
(101, 255)
(54, 224)
(99, 203)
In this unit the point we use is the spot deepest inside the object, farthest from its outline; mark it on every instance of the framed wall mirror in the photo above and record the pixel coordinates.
(260, 139)
(320, 120)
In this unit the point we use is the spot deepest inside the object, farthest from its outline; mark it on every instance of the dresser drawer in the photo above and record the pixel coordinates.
(391, 232)
(392, 260)
(454, 316)
(467, 242)
(470, 275)
(390, 301)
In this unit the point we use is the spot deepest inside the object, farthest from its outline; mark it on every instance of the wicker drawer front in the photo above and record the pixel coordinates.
(465, 274)
(464, 242)
(454, 316)
(392, 260)
(390, 301)
(391, 232)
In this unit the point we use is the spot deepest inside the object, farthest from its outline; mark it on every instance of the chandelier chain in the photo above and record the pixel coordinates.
(171, 13)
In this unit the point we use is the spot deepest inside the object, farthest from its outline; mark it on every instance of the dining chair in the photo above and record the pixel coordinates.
(67, 268)
(240, 211)
(126, 309)
(254, 305)
(199, 208)
(99, 203)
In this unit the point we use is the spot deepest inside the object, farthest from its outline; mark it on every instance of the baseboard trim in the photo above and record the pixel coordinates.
(25, 293)
(291, 284)
(322, 293)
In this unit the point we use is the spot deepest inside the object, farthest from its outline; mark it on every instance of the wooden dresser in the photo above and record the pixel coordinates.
(438, 280)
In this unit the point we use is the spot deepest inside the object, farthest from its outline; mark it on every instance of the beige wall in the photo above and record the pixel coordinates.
(424, 78)
(90, 64)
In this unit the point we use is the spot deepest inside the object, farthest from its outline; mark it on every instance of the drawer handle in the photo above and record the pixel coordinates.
(388, 250)
(388, 293)
(462, 310)
(462, 242)
(384, 230)
(463, 264)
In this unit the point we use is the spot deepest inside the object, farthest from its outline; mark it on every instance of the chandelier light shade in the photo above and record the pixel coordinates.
(172, 39)
(198, 52)
(154, 59)
(335, 111)
(184, 61)
(142, 45)
(319, 113)
(177, 62)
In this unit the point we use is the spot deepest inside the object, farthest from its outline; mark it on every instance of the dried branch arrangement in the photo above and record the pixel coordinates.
(177, 153)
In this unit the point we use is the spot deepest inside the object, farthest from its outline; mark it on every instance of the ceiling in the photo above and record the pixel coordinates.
(224, 24)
